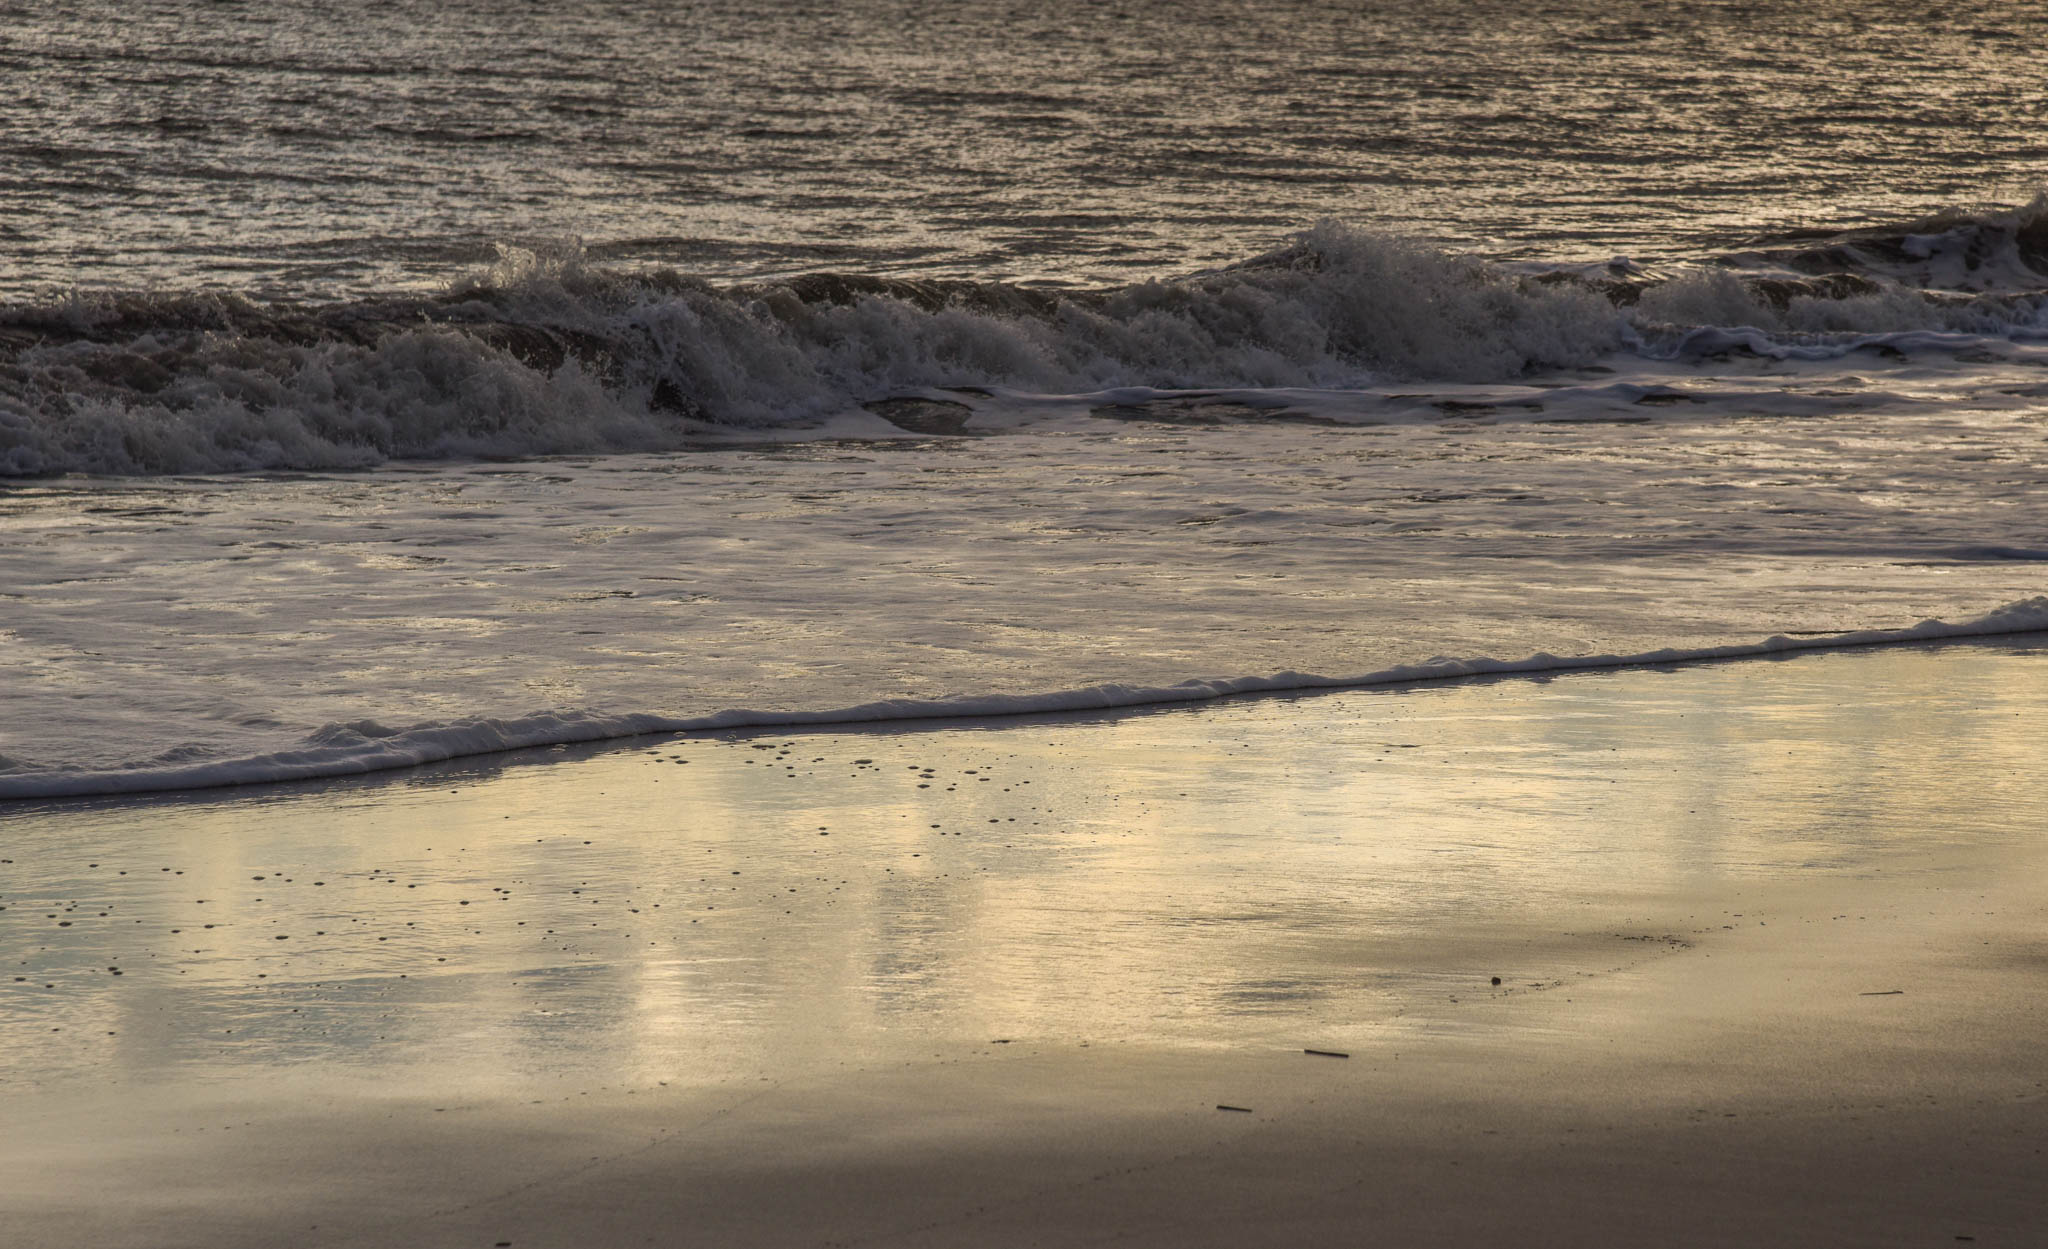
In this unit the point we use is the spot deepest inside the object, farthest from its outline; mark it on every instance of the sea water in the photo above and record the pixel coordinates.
(385, 382)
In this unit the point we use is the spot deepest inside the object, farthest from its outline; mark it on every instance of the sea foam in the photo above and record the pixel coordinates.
(546, 354)
(351, 749)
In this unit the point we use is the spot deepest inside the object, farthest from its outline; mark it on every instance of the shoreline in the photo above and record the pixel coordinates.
(366, 748)
(740, 991)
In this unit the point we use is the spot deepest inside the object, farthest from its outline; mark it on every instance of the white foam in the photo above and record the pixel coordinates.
(1984, 251)
(353, 749)
(1706, 341)
(177, 384)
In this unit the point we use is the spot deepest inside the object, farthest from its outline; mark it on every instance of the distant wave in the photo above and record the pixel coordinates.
(547, 354)
(362, 747)
(1960, 251)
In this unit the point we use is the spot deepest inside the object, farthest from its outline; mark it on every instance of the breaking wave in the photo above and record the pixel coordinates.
(1955, 251)
(547, 354)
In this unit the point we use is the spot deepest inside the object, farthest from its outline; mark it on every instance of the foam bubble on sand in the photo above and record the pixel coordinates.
(366, 746)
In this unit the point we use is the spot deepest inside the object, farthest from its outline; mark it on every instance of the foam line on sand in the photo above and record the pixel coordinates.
(365, 746)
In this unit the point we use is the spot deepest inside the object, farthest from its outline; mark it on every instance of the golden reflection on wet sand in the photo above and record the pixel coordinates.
(1259, 869)
(1348, 872)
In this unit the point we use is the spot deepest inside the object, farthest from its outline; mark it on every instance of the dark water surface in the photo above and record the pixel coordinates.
(335, 149)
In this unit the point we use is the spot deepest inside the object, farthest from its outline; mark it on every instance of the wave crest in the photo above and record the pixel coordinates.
(1999, 250)
(545, 353)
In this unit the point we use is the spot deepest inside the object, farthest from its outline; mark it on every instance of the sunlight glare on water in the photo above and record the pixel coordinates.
(340, 149)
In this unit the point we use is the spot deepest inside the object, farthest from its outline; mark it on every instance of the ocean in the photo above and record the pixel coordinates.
(387, 382)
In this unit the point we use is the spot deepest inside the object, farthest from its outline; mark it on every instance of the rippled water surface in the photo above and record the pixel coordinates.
(339, 148)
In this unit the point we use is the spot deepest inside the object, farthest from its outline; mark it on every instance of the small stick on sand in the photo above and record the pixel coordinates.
(1880, 993)
(1243, 1110)
(1327, 1053)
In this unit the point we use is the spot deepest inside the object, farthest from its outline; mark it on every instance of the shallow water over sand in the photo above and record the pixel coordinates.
(1334, 871)
(209, 621)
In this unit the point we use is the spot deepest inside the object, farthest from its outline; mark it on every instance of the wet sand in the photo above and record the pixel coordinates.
(1770, 939)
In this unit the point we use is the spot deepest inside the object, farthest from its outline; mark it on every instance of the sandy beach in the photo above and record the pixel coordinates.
(1768, 936)
(1238, 623)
